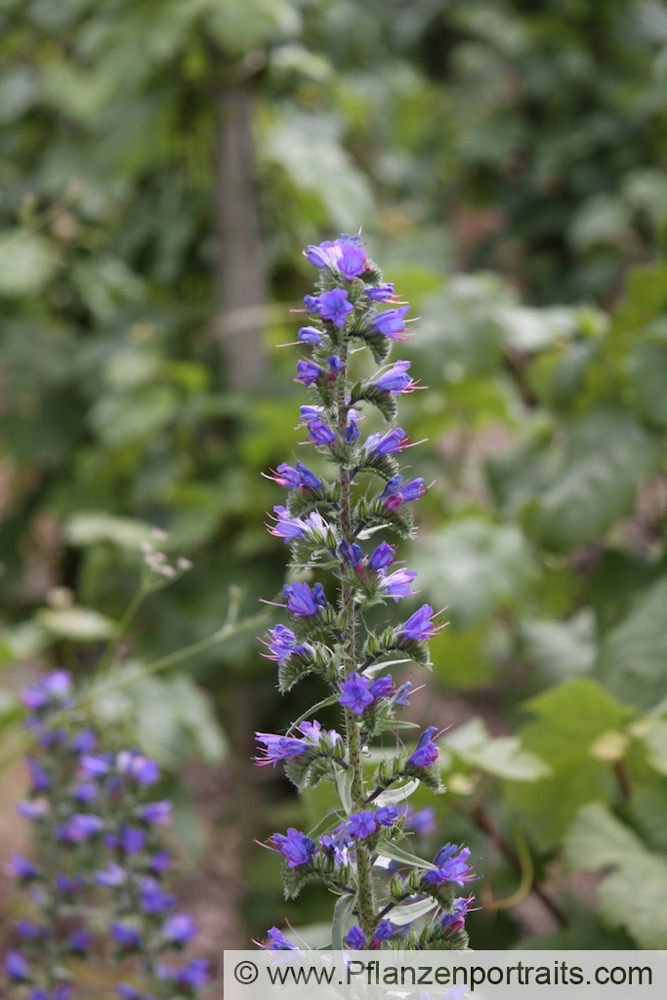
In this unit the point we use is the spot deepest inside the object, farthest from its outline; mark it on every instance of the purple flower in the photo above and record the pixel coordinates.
(335, 306)
(309, 335)
(158, 813)
(386, 444)
(395, 495)
(307, 372)
(287, 527)
(352, 427)
(362, 825)
(95, 765)
(397, 584)
(396, 379)
(381, 293)
(382, 932)
(452, 866)
(312, 303)
(16, 967)
(382, 557)
(320, 433)
(387, 815)
(179, 928)
(355, 938)
(454, 920)
(33, 809)
(352, 260)
(391, 322)
(80, 827)
(296, 847)
(159, 862)
(30, 931)
(383, 687)
(283, 643)
(420, 821)
(351, 553)
(80, 941)
(84, 741)
(132, 839)
(141, 769)
(324, 255)
(52, 689)
(127, 937)
(307, 479)
(278, 941)
(111, 876)
(195, 973)
(419, 625)
(335, 364)
(38, 776)
(426, 752)
(22, 869)
(309, 412)
(403, 694)
(278, 748)
(153, 897)
(355, 694)
(302, 601)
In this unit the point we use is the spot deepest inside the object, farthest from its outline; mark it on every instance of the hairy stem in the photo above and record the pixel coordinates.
(366, 905)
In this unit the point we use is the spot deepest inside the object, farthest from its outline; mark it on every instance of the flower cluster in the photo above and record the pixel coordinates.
(326, 523)
(101, 862)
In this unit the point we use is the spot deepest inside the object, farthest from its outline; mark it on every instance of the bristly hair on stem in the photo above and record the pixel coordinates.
(388, 897)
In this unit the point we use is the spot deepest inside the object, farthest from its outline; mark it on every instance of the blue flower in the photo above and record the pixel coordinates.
(419, 625)
(278, 941)
(287, 527)
(382, 932)
(16, 967)
(396, 379)
(296, 847)
(355, 694)
(355, 938)
(382, 557)
(320, 433)
(283, 643)
(307, 372)
(154, 899)
(387, 815)
(278, 748)
(158, 813)
(386, 444)
(179, 928)
(335, 306)
(381, 293)
(352, 427)
(302, 601)
(309, 335)
(52, 690)
(126, 936)
(426, 752)
(391, 322)
(362, 825)
(395, 494)
(80, 827)
(451, 866)
(351, 553)
(397, 584)
(141, 769)
(383, 687)
(403, 694)
(352, 260)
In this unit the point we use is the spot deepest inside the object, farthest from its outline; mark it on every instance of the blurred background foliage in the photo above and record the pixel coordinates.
(162, 163)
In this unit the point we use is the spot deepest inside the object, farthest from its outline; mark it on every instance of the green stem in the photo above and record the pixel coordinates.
(365, 902)
(121, 629)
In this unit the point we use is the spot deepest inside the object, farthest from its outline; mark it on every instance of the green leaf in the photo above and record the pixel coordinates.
(655, 741)
(647, 377)
(344, 780)
(474, 566)
(90, 527)
(387, 849)
(77, 624)
(27, 263)
(633, 895)
(408, 912)
(397, 794)
(560, 649)
(341, 916)
(502, 756)
(570, 719)
(22, 642)
(633, 654)
(595, 480)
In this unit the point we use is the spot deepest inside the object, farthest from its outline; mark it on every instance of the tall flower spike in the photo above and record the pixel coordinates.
(324, 522)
